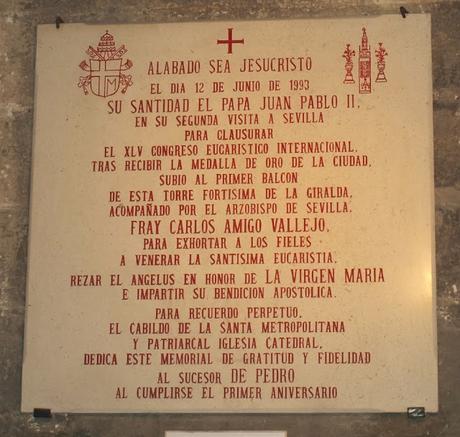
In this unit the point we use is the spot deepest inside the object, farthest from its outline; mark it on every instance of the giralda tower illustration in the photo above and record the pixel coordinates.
(364, 65)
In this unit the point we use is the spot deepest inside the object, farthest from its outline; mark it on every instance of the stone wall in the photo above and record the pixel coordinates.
(18, 20)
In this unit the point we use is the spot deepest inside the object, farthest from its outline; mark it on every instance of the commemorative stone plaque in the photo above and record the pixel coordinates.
(232, 217)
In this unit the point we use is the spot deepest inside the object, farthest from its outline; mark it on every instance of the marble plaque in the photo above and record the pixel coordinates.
(232, 217)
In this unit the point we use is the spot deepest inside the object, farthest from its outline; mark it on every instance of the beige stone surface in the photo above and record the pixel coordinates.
(351, 348)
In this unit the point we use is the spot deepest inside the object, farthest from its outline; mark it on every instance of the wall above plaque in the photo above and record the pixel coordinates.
(232, 217)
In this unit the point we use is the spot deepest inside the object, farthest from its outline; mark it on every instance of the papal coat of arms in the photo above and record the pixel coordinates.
(105, 68)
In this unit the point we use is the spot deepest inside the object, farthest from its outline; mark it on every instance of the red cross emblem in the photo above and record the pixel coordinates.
(230, 41)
